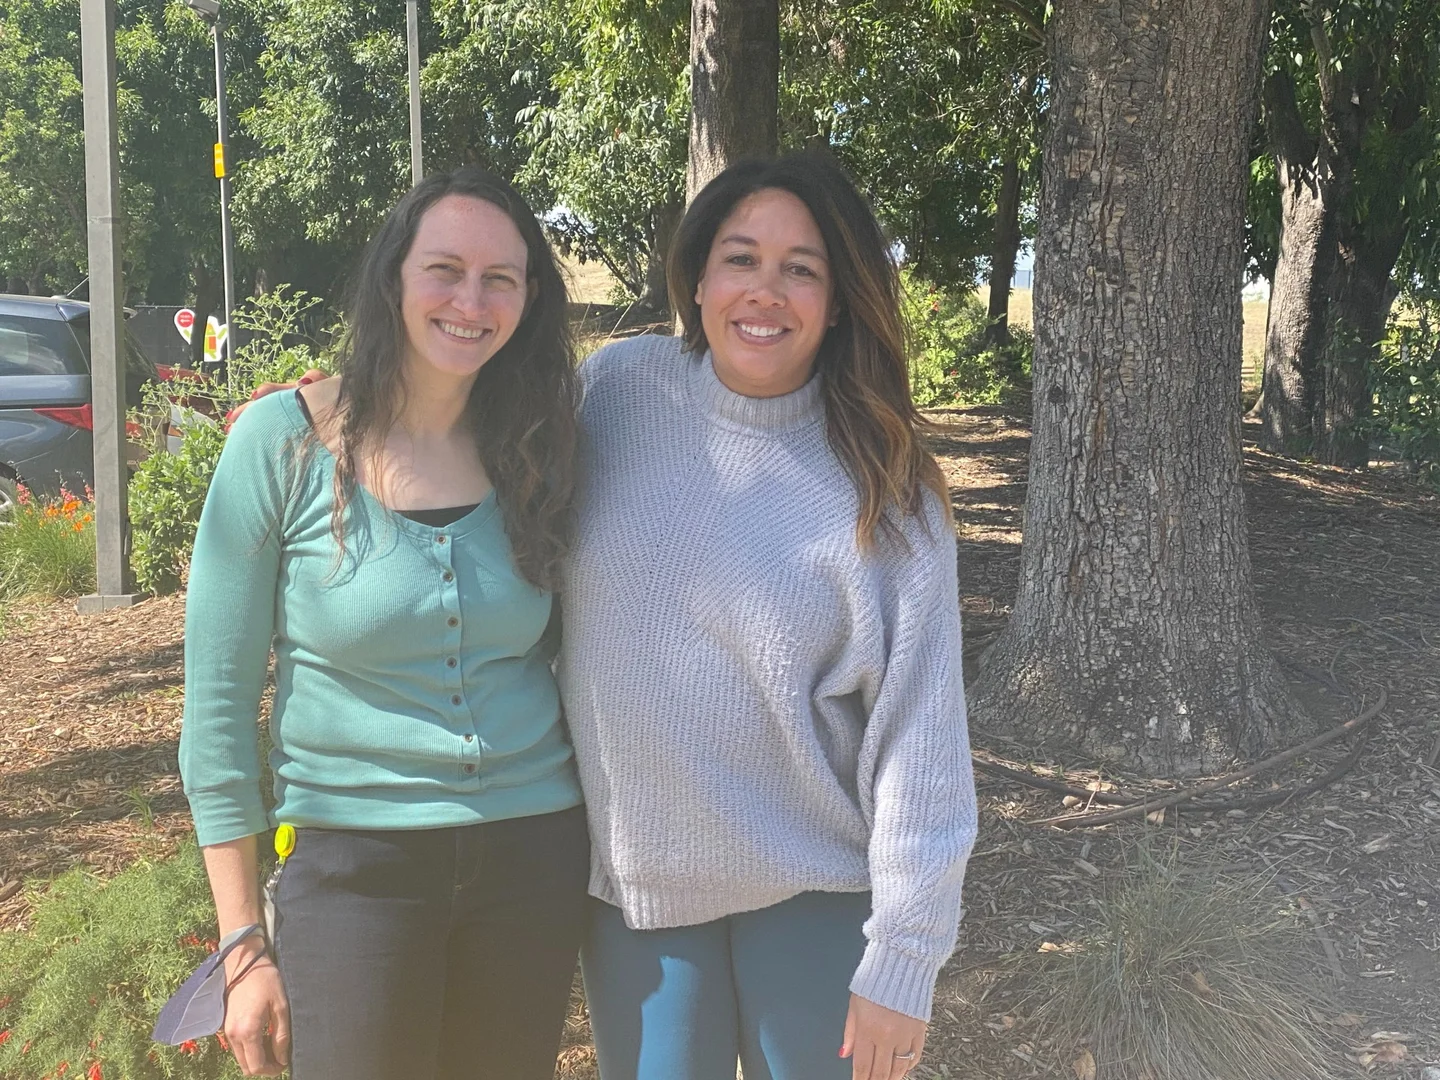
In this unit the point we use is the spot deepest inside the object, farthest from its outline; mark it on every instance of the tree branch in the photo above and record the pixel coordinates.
(1289, 139)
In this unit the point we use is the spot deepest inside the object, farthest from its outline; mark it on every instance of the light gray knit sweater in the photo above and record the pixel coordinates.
(759, 709)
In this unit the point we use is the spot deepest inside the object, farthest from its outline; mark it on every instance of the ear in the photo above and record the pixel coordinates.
(837, 308)
(532, 290)
(700, 290)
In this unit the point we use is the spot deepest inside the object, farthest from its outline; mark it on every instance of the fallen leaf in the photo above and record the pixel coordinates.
(56, 660)
(1156, 817)
(1088, 867)
(1071, 801)
(1387, 1053)
(1199, 984)
(1084, 1066)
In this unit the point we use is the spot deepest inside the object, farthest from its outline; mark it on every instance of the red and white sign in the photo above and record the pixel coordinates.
(185, 323)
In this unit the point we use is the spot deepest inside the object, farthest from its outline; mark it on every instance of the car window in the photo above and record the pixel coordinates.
(137, 364)
(37, 347)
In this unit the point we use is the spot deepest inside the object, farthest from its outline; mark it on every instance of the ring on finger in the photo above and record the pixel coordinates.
(906, 1057)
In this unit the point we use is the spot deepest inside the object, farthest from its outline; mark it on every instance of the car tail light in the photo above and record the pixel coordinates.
(81, 416)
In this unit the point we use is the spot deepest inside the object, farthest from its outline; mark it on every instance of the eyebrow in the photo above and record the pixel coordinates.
(457, 258)
(799, 249)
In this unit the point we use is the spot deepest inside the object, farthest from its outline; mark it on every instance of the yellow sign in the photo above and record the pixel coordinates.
(219, 161)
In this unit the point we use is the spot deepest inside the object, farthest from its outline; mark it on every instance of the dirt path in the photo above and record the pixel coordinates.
(1346, 567)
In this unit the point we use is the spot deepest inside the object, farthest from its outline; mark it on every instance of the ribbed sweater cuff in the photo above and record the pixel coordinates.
(897, 980)
(228, 813)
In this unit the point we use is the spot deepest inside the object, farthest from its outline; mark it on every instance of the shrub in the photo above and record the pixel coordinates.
(1187, 973)
(167, 493)
(48, 547)
(949, 361)
(83, 985)
(1405, 382)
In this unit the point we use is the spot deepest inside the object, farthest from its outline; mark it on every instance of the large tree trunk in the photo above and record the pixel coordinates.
(1317, 183)
(656, 297)
(1003, 253)
(734, 85)
(1135, 635)
(1299, 297)
(1361, 296)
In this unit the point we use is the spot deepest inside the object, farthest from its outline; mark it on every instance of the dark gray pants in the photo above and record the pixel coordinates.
(437, 954)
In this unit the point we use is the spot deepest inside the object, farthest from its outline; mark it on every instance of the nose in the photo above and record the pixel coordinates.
(469, 296)
(767, 288)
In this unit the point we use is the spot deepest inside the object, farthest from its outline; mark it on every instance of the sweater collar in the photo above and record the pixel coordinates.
(788, 412)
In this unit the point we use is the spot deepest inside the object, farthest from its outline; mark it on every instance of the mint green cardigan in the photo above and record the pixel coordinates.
(413, 686)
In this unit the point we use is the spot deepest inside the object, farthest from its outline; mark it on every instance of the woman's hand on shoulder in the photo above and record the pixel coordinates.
(882, 1044)
(314, 375)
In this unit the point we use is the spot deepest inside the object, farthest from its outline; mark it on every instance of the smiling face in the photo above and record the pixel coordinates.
(463, 285)
(766, 295)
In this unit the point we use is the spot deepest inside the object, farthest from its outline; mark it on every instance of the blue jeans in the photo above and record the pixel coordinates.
(769, 987)
(433, 953)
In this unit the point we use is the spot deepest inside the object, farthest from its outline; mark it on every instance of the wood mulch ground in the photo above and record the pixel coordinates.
(1348, 571)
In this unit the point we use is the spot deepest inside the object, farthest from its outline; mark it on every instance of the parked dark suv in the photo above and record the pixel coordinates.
(45, 415)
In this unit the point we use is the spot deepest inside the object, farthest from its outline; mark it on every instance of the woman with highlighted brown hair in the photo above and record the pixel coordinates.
(761, 658)
(395, 533)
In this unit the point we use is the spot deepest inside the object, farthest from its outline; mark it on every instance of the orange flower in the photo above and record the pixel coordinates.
(69, 506)
(94, 1072)
(189, 1046)
(4, 1037)
(79, 526)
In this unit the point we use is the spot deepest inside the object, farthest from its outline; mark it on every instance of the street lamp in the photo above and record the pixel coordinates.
(209, 10)
(412, 49)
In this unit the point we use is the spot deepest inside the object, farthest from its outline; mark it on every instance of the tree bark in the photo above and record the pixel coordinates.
(1361, 297)
(656, 297)
(1299, 298)
(1306, 406)
(734, 85)
(1135, 636)
(1002, 255)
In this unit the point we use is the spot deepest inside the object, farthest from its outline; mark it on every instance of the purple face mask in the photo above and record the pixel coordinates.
(197, 1009)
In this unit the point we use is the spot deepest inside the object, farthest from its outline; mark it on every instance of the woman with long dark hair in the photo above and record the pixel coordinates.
(761, 659)
(395, 533)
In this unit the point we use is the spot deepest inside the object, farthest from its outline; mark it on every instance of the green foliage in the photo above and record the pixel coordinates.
(1405, 381)
(950, 363)
(84, 983)
(167, 493)
(922, 103)
(610, 142)
(278, 347)
(47, 548)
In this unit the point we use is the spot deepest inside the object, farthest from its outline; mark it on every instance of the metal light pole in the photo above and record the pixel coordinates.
(412, 41)
(107, 315)
(210, 11)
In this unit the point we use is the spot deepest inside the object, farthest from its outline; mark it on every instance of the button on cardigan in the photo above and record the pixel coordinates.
(412, 672)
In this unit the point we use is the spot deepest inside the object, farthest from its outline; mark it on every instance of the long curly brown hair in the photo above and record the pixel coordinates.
(870, 420)
(522, 406)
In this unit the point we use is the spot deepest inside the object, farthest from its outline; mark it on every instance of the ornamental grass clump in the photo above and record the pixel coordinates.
(47, 546)
(81, 986)
(1188, 974)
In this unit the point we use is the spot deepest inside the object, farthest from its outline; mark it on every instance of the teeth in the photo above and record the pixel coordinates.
(762, 331)
(460, 331)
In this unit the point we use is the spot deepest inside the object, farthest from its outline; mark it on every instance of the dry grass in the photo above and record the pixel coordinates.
(1020, 310)
(1253, 346)
(590, 283)
(1186, 973)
